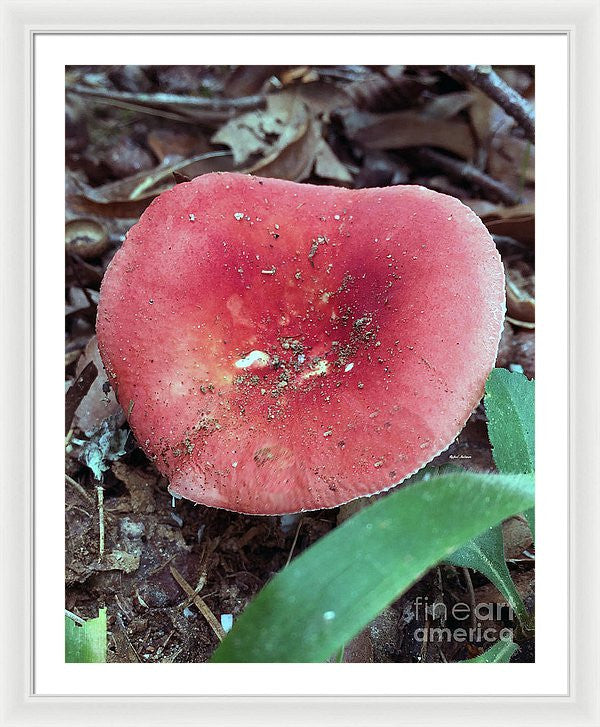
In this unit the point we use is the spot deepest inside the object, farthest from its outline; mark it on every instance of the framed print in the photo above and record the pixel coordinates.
(326, 312)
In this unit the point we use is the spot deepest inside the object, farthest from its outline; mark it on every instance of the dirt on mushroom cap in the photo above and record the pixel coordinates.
(292, 347)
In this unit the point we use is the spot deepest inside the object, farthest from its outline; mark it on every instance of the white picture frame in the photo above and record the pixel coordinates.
(579, 22)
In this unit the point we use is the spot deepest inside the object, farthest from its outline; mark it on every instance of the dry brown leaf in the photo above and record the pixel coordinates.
(139, 485)
(480, 113)
(512, 161)
(385, 89)
(328, 166)
(517, 222)
(287, 136)
(517, 537)
(168, 144)
(118, 560)
(129, 197)
(322, 98)
(520, 301)
(405, 129)
(448, 105)
(248, 80)
(109, 200)
(297, 73)
(524, 582)
(296, 160)
(266, 132)
(96, 405)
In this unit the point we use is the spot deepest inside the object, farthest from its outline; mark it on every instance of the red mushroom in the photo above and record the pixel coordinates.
(283, 347)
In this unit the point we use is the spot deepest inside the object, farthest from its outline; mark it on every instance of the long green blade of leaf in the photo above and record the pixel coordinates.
(485, 553)
(86, 644)
(500, 653)
(510, 407)
(331, 591)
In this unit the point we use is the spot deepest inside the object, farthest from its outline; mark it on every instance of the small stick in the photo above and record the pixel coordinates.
(75, 617)
(100, 491)
(465, 171)
(86, 495)
(488, 81)
(199, 603)
(243, 103)
(289, 558)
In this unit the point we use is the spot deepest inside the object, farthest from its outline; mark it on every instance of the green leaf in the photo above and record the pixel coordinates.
(510, 407)
(500, 653)
(485, 553)
(86, 644)
(331, 591)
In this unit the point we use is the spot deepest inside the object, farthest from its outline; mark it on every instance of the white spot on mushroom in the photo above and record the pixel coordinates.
(329, 615)
(258, 358)
(349, 367)
(192, 217)
(271, 271)
(238, 215)
(234, 464)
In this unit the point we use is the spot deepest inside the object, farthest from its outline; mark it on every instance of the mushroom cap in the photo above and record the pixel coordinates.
(283, 347)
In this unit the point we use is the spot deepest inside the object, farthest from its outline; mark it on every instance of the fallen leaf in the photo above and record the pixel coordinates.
(78, 390)
(322, 98)
(296, 159)
(517, 222)
(97, 405)
(448, 105)
(265, 132)
(517, 537)
(248, 80)
(511, 160)
(139, 485)
(129, 197)
(118, 560)
(168, 144)
(328, 166)
(405, 129)
(520, 300)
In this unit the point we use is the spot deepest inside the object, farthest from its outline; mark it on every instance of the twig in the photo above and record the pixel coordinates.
(100, 491)
(199, 603)
(243, 103)
(488, 81)
(75, 617)
(123, 633)
(86, 495)
(78, 389)
(289, 558)
(465, 171)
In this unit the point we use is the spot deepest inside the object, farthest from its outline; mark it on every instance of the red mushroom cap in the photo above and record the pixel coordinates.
(283, 347)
